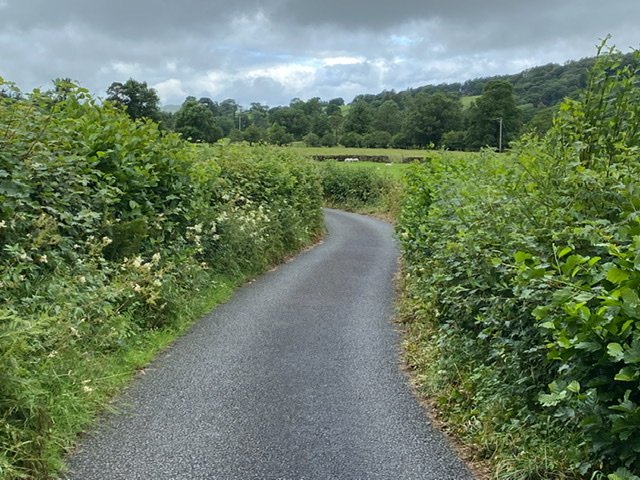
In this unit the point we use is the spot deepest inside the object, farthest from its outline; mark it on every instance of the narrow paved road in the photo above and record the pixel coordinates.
(297, 377)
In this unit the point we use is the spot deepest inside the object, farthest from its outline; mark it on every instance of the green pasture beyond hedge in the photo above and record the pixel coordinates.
(108, 231)
(523, 283)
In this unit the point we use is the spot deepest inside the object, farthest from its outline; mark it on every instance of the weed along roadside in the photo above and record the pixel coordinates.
(364, 188)
(116, 237)
(521, 290)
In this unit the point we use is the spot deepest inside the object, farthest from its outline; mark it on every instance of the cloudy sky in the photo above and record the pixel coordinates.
(271, 51)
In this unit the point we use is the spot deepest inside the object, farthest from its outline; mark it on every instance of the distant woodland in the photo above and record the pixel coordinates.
(456, 116)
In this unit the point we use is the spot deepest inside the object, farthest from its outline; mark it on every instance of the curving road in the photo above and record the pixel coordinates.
(296, 378)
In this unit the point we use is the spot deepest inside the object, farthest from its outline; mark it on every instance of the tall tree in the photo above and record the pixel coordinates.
(259, 115)
(359, 118)
(211, 105)
(388, 117)
(430, 116)
(228, 108)
(196, 122)
(496, 107)
(252, 134)
(139, 100)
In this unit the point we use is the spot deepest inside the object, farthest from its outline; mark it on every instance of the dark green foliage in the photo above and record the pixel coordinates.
(430, 116)
(388, 118)
(312, 140)
(377, 139)
(137, 98)
(524, 284)
(497, 104)
(359, 118)
(109, 228)
(329, 140)
(453, 140)
(542, 120)
(541, 86)
(196, 122)
(252, 135)
(352, 139)
(353, 187)
(277, 135)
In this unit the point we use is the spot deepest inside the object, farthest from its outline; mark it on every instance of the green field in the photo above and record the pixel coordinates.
(394, 154)
(395, 171)
(467, 101)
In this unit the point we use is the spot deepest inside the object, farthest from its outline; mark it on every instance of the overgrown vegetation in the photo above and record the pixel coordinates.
(522, 281)
(114, 236)
(363, 187)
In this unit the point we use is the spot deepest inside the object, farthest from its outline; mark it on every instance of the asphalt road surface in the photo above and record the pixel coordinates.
(296, 378)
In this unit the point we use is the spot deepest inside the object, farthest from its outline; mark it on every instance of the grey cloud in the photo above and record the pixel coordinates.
(130, 18)
(247, 45)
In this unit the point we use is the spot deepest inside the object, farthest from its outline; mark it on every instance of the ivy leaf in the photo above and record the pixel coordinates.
(551, 399)
(574, 387)
(589, 346)
(615, 351)
(627, 374)
(616, 275)
(564, 251)
(622, 474)
(632, 355)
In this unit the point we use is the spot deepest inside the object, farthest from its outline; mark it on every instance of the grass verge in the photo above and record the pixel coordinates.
(513, 450)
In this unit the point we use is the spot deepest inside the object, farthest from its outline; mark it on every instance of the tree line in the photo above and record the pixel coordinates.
(459, 116)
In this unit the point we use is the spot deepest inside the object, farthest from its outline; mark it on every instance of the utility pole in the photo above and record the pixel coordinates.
(500, 136)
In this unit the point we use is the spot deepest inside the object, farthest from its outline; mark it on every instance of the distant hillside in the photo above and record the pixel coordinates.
(538, 86)
(542, 86)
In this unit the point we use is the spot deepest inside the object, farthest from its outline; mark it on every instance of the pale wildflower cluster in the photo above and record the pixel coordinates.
(139, 264)
(254, 221)
(148, 278)
(194, 234)
(85, 387)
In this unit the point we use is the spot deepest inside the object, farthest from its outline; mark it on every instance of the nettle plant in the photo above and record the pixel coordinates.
(592, 273)
(527, 270)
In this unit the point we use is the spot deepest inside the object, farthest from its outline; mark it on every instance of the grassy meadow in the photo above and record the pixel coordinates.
(395, 155)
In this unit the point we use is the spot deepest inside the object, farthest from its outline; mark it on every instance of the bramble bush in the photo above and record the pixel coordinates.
(113, 235)
(359, 188)
(523, 273)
